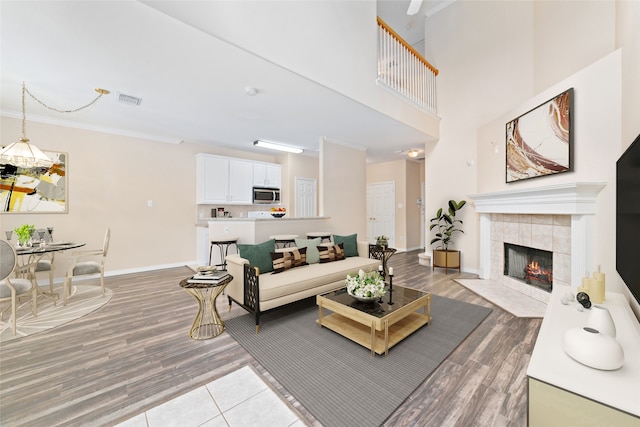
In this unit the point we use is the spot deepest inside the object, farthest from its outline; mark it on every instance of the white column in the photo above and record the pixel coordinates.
(485, 246)
(581, 247)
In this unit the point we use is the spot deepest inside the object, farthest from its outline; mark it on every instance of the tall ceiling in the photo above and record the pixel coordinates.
(62, 50)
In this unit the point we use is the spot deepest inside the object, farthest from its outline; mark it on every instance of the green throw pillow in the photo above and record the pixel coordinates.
(313, 256)
(259, 255)
(350, 244)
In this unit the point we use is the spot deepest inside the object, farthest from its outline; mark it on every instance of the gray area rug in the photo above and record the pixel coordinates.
(336, 379)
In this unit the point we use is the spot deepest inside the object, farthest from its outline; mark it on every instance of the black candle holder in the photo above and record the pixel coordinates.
(390, 289)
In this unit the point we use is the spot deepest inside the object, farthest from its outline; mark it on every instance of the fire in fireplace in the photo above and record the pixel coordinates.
(529, 265)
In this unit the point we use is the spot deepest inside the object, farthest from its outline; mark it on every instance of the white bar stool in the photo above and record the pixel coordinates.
(284, 239)
(323, 235)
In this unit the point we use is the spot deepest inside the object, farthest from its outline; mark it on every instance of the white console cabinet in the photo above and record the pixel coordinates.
(563, 392)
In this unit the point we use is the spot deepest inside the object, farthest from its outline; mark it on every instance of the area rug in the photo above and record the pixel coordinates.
(336, 379)
(84, 300)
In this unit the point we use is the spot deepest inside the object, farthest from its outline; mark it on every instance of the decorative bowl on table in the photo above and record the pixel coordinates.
(278, 214)
(365, 287)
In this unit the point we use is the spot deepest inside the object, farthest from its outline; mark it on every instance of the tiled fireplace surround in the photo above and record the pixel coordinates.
(556, 218)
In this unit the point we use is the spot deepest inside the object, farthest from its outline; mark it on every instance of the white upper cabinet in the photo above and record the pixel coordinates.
(267, 175)
(213, 178)
(230, 180)
(240, 182)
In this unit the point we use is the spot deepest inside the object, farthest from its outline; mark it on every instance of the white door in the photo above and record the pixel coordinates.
(381, 201)
(305, 196)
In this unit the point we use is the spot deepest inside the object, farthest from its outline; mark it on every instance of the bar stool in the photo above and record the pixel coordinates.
(323, 235)
(284, 239)
(223, 244)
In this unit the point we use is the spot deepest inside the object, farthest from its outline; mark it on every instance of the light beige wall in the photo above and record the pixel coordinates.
(596, 118)
(301, 166)
(395, 172)
(110, 179)
(406, 175)
(628, 39)
(489, 69)
(411, 207)
(342, 188)
(568, 36)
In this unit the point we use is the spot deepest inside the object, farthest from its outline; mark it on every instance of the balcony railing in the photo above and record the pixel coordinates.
(403, 69)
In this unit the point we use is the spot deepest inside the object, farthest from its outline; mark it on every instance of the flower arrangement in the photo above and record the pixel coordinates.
(382, 240)
(365, 286)
(24, 233)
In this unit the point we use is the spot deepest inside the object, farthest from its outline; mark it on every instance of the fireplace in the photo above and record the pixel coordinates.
(557, 218)
(529, 265)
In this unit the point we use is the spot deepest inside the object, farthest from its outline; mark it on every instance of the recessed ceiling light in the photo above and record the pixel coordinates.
(413, 153)
(251, 91)
(279, 147)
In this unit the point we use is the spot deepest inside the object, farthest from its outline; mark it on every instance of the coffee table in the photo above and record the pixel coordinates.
(377, 326)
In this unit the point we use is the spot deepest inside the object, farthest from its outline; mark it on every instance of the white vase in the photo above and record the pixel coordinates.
(600, 319)
(593, 349)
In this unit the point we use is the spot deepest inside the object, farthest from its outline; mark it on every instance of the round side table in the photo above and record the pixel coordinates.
(207, 323)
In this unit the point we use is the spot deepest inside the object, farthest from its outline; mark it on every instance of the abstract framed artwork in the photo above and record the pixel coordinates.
(540, 142)
(34, 190)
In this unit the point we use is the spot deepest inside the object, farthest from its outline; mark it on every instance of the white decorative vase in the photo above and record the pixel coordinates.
(600, 319)
(593, 349)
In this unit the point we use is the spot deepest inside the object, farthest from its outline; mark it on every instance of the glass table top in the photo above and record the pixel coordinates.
(391, 301)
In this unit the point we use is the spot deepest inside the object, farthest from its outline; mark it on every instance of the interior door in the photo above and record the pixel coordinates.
(381, 219)
(305, 197)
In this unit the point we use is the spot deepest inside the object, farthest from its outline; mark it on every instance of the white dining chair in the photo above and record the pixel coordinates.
(11, 288)
(80, 267)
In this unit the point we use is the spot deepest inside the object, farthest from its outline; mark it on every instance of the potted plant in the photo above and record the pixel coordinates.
(446, 225)
(382, 240)
(24, 233)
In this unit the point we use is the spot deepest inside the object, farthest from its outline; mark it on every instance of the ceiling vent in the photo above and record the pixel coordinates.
(128, 99)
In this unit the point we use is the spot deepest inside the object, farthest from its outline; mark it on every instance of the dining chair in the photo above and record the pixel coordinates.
(45, 264)
(12, 288)
(79, 267)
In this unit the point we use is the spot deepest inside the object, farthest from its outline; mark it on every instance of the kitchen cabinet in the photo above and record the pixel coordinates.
(267, 175)
(240, 179)
(224, 180)
(213, 178)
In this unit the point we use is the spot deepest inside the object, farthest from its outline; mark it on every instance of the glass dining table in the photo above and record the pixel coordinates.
(35, 253)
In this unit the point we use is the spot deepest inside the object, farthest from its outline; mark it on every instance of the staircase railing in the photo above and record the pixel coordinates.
(403, 69)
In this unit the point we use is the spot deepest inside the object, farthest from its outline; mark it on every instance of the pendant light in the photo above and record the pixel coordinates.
(22, 153)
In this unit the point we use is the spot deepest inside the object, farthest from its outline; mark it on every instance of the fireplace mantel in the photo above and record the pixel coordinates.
(578, 198)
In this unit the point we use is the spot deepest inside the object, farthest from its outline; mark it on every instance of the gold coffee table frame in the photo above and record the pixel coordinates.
(378, 334)
(207, 323)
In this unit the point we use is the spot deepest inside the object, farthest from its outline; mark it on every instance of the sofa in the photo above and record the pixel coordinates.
(259, 292)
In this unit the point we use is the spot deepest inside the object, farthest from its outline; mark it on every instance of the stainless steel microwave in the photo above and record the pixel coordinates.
(265, 195)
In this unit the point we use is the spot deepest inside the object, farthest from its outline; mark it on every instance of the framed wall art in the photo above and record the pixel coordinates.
(34, 190)
(540, 142)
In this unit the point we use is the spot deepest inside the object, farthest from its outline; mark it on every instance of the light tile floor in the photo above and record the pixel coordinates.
(516, 303)
(239, 399)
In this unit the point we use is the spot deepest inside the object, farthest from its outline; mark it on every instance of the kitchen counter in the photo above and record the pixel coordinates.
(251, 231)
(204, 222)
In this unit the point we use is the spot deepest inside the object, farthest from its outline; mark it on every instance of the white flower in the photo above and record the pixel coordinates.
(365, 285)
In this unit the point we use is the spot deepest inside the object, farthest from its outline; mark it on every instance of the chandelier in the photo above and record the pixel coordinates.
(22, 153)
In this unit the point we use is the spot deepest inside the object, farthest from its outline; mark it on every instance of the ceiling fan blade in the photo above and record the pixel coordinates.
(414, 7)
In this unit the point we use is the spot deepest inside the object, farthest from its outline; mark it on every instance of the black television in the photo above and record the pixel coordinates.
(628, 217)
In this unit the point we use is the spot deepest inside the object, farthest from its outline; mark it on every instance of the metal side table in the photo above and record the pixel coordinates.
(207, 323)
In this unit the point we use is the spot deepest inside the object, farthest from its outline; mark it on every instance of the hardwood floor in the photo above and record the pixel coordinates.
(134, 353)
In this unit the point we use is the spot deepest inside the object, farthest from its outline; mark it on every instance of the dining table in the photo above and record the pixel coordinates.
(37, 251)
